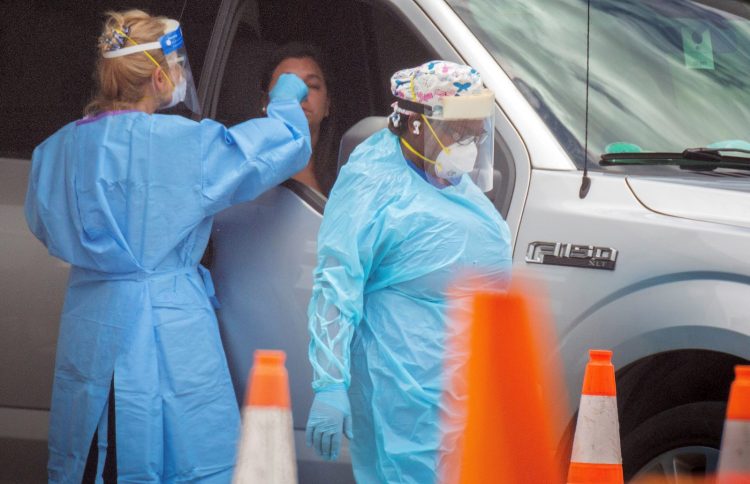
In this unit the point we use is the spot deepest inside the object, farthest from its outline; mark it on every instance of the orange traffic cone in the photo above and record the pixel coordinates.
(734, 459)
(513, 396)
(266, 451)
(596, 454)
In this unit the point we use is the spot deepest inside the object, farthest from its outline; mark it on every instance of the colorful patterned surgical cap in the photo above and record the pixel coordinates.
(427, 83)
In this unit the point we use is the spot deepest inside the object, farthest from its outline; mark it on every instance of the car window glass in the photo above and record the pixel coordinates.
(664, 76)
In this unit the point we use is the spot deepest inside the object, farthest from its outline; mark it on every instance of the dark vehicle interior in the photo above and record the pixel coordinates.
(362, 44)
(47, 56)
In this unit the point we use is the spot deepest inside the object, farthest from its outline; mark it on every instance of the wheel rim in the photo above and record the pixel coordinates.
(678, 466)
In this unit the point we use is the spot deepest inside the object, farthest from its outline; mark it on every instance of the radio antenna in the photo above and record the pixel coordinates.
(586, 181)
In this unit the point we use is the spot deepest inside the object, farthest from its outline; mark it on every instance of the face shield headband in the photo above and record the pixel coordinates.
(172, 46)
(458, 136)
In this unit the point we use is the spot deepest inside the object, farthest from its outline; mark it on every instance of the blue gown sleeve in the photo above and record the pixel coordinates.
(31, 209)
(41, 190)
(241, 162)
(349, 244)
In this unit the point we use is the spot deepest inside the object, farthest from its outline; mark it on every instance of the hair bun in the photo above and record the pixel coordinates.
(114, 39)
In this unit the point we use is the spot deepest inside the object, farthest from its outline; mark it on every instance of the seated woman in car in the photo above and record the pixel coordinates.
(308, 62)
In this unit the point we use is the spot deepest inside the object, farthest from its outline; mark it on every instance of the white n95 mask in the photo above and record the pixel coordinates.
(456, 160)
(178, 93)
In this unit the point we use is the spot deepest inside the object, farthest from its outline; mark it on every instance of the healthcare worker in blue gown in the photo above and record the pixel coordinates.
(141, 390)
(406, 224)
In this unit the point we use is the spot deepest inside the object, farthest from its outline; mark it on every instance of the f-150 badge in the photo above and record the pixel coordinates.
(572, 255)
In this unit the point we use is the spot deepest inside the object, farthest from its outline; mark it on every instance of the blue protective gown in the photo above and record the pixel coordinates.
(127, 199)
(390, 246)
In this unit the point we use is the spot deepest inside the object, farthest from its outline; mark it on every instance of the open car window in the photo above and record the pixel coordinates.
(377, 43)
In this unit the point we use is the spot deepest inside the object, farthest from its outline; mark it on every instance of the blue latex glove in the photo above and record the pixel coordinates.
(330, 416)
(288, 87)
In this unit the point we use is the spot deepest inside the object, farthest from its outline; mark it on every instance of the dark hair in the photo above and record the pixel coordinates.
(326, 151)
(294, 50)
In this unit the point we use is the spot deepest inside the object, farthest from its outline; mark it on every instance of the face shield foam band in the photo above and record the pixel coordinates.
(475, 106)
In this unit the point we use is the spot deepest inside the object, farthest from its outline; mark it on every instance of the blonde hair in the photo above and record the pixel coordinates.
(121, 81)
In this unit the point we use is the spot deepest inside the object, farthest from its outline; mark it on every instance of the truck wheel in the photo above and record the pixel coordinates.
(680, 440)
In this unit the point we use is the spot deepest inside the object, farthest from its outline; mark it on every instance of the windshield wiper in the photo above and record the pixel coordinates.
(689, 159)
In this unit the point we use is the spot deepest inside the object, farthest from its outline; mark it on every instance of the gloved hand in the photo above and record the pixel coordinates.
(330, 416)
(288, 87)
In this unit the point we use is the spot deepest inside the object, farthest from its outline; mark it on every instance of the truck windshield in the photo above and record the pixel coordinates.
(664, 75)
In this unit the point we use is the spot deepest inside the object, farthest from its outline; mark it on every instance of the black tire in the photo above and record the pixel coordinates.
(694, 424)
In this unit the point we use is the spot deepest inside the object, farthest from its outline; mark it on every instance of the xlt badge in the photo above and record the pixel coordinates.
(572, 255)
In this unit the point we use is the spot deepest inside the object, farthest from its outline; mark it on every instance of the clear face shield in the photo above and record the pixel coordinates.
(178, 72)
(456, 138)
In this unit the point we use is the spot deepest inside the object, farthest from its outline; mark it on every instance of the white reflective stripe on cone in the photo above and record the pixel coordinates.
(266, 452)
(735, 447)
(597, 437)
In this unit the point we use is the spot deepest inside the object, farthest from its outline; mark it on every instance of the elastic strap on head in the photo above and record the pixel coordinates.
(435, 135)
(409, 147)
(403, 106)
(138, 48)
(133, 49)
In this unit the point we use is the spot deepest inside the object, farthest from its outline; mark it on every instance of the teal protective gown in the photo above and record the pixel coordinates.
(127, 199)
(390, 247)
